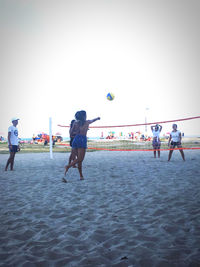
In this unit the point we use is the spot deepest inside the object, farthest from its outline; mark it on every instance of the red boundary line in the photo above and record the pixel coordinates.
(140, 124)
(116, 149)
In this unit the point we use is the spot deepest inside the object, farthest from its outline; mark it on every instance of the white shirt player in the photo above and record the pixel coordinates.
(156, 134)
(14, 135)
(175, 136)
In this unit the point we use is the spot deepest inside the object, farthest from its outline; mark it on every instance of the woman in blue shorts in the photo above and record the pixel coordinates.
(79, 143)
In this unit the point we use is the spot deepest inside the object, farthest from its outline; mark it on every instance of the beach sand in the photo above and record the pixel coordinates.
(131, 210)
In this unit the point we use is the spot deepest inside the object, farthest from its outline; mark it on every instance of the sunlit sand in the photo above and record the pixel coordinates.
(131, 210)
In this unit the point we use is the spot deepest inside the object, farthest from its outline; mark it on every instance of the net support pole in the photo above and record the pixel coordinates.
(50, 138)
(145, 121)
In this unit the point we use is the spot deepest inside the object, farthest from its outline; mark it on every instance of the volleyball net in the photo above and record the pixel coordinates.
(138, 137)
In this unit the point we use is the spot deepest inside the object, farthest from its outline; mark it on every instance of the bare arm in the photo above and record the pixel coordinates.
(160, 128)
(91, 121)
(152, 128)
(71, 130)
(9, 142)
(180, 136)
(170, 138)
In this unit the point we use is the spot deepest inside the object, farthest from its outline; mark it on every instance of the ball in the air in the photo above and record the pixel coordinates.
(110, 96)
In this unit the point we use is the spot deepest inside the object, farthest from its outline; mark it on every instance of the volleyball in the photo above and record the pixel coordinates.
(110, 96)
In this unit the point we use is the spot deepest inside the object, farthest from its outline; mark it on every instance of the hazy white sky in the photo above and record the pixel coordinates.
(60, 56)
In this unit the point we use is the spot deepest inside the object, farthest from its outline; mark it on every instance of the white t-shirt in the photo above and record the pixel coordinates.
(14, 135)
(175, 136)
(156, 134)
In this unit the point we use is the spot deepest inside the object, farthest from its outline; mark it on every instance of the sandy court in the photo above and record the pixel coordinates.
(131, 210)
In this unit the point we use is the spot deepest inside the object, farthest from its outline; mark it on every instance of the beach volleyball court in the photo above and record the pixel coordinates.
(131, 210)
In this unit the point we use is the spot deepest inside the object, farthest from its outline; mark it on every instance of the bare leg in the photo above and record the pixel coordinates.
(182, 153)
(79, 160)
(81, 156)
(66, 169)
(159, 152)
(75, 156)
(72, 157)
(170, 154)
(154, 152)
(80, 170)
(70, 165)
(10, 161)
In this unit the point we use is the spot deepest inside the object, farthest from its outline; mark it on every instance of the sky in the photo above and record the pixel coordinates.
(61, 56)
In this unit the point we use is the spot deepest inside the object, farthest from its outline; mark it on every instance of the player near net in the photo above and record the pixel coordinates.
(80, 140)
(156, 130)
(175, 139)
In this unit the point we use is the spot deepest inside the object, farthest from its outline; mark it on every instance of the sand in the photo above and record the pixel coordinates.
(131, 210)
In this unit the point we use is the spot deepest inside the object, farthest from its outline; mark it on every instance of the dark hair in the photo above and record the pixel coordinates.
(81, 116)
(72, 123)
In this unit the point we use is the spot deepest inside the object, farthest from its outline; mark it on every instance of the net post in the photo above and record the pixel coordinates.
(145, 121)
(50, 138)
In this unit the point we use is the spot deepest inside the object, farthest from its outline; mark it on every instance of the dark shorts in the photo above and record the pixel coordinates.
(80, 141)
(13, 149)
(156, 143)
(174, 144)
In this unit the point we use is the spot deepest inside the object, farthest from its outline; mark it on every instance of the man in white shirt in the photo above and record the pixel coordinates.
(12, 143)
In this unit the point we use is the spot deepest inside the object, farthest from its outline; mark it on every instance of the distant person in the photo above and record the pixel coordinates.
(13, 143)
(175, 139)
(34, 138)
(156, 130)
(53, 141)
(45, 142)
(80, 141)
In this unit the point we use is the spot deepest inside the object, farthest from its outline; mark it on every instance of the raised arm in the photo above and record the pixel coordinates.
(160, 128)
(91, 121)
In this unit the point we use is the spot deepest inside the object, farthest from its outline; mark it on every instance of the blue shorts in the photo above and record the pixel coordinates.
(80, 141)
(156, 143)
(13, 149)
